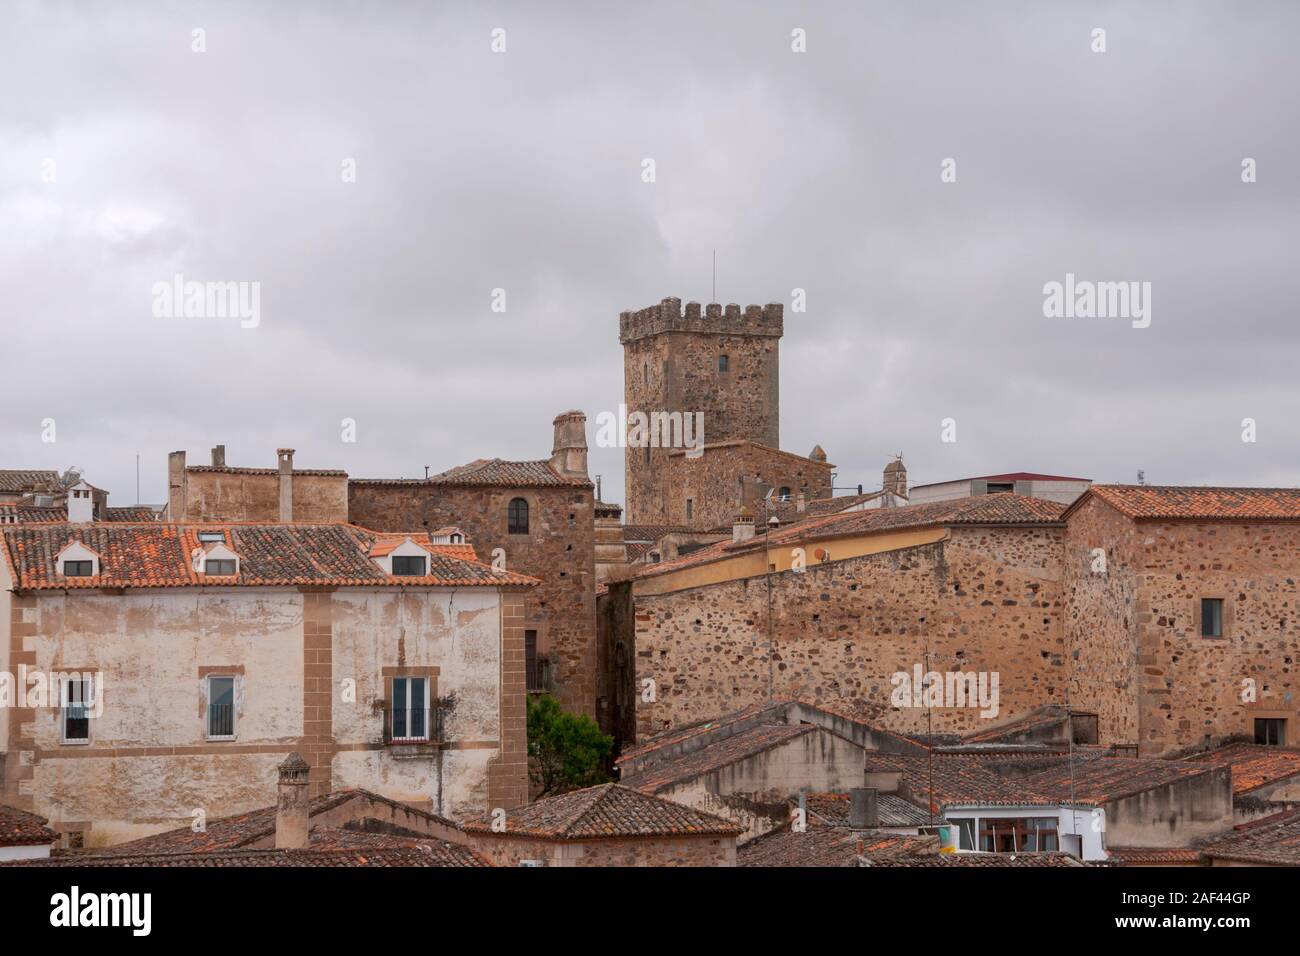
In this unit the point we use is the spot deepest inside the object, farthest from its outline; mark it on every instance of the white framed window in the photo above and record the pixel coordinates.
(76, 702)
(221, 707)
(410, 710)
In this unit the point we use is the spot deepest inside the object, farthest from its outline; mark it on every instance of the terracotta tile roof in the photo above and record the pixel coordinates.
(1003, 509)
(17, 480)
(28, 514)
(297, 472)
(1039, 719)
(962, 860)
(715, 756)
(686, 732)
(833, 810)
(133, 513)
(421, 853)
(20, 828)
(608, 810)
(651, 532)
(957, 779)
(1153, 854)
(233, 832)
(1009, 476)
(1204, 504)
(1274, 841)
(788, 511)
(492, 471)
(1105, 779)
(822, 846)
(1253, 765)
(157, 554)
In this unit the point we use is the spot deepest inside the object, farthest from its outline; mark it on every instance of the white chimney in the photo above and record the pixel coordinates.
(742, 529)
(81, 503)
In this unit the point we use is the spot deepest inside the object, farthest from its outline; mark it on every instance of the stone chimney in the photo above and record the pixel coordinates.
(569, 452)
(864, 809)
(291, 804)
(895, 481)
(219, 456)
(176, 486)
(285, 456)
(801, 501)
(742, 528)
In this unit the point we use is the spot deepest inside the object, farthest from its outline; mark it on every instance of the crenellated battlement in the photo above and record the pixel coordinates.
(669, 316)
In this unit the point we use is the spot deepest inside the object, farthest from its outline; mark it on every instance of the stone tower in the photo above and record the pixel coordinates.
(721, 362)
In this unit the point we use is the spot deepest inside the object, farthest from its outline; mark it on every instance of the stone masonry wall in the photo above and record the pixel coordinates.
(721, 479)
(1192, 687)
(985, 599)
(241, 496)
(1101, 621)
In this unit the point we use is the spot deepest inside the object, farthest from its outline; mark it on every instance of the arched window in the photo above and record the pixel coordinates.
(645, 373)
(724, 363)
(784, 493)
(517, 516)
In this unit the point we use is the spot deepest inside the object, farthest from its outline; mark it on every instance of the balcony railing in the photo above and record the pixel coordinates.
(415, 725)
(221, 720)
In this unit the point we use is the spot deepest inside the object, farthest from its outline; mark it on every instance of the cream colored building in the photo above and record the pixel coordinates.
(157, 674)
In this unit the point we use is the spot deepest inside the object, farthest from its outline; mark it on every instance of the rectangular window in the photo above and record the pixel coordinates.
(78, 569)
(1211, 617)
(690, 509)
(221, 707)
(532, 669)
(211, 536)
(1270, 731)
(224, 566)
(78, 699)
(1000, 488)
(408, 565)
(410, 709)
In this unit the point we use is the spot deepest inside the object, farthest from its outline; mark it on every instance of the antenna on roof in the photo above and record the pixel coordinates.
(715, 276)
(1142, 477)
(426, 472)
(598, 488)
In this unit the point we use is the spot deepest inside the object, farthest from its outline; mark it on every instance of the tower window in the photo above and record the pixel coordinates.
(784, 493)
(645, 373)
(724, 363)
(517, 516)
(1270, 731)
(690, 509)
(1211, 617)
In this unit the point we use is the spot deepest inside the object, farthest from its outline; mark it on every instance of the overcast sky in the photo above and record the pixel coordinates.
(522, 171)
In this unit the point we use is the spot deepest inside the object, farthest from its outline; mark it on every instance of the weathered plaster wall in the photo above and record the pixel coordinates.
(1174, 815)
(754, 792)
(457, 632)
(149, 766)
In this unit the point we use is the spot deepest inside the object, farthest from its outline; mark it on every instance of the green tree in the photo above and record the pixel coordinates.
(566, 751)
